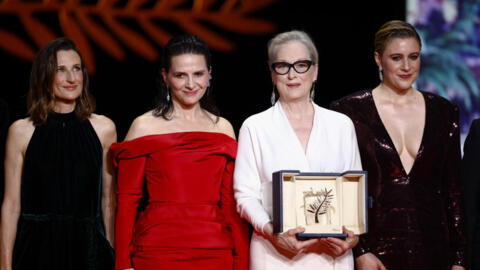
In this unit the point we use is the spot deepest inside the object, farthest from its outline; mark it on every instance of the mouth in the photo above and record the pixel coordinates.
(70, 87)
(191, 93)
(293, 85)
(405, 76)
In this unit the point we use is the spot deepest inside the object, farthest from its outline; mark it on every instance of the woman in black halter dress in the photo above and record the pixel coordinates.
(59, 202)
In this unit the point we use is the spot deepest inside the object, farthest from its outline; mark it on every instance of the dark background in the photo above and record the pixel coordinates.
(343, 32)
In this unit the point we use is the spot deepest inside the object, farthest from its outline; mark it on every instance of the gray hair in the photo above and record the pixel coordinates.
(286, 37)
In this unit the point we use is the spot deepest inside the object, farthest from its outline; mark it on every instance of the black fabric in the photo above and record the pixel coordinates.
(471, 178)
(60, 225)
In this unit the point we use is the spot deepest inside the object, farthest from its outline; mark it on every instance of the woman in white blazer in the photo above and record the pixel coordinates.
(294, 134)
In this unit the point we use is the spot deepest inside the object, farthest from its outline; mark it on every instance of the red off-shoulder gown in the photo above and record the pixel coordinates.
(190, 221)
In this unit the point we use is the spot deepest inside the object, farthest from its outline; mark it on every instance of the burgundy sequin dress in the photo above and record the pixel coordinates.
(417, 219)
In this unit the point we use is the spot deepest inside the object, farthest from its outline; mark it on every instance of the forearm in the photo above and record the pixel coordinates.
(108, 211)
(8, 232)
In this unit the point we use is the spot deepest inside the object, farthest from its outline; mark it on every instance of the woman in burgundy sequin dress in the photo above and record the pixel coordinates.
(409, 144)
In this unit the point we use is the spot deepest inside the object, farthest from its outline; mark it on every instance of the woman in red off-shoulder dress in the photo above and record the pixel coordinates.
(183, 154)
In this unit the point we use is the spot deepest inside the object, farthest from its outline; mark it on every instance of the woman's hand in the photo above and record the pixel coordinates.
(368, 261)
(458, 267)
(287, 243)
(335, 247)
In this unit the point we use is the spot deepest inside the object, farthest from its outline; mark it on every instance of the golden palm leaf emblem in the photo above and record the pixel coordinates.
(104, 23)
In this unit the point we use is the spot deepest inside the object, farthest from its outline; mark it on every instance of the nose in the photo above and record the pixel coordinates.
(406, 64)
(291, 73)
(70, 76)
(189, 82)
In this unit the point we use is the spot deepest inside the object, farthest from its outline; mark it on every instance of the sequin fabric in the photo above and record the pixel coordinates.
(416, 221)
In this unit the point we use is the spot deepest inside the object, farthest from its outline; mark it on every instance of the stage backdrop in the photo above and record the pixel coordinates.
(121, 42)
(450, 34)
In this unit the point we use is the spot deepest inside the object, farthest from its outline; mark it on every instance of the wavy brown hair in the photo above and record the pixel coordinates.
(40, 99)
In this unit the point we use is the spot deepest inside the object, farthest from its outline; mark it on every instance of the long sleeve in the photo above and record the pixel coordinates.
(129, 192)
(452, 180)
(247, 182)
(471, 180)
(238, 226)
(362, 246)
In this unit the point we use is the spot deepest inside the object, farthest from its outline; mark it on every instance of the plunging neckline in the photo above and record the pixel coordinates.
(390, 141)
(292, 131)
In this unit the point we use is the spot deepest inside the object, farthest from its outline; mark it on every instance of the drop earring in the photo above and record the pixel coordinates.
(273, 98)
(380, 74)
(168, 94)
(312, 91)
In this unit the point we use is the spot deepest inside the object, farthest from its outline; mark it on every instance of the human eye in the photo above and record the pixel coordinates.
(60, 69)
(199, 73)
(414, 56)
(396, 57)
(178, 75)
(77, 68)
(281, 67)
(302, 64)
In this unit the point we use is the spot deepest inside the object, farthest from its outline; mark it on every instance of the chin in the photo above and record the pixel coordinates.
(189, 102)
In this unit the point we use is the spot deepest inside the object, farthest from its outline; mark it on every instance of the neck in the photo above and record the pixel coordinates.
(64, 107)
(186, 112)
(394, 93)
(298, 108)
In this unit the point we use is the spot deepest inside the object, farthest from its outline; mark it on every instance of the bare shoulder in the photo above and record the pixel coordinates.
(104, 127)
(20, 133)
(143, 125)
(225, 127)
(102, 122)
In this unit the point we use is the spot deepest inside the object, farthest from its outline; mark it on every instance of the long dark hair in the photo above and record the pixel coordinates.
(183, 44)
(40, 99)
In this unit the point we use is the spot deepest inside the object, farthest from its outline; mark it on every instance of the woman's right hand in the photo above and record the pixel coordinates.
(287, 243)
(368, 261)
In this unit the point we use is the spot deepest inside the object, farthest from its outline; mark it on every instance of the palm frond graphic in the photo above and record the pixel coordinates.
(80, 22)
(441, 67)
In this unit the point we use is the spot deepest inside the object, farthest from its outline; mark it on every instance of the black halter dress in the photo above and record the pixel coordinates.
(60, 226)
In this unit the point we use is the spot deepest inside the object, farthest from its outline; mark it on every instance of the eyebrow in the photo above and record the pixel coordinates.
(285, 61)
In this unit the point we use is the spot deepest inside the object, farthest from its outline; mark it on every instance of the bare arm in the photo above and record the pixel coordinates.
(107, 134)
(19, 135)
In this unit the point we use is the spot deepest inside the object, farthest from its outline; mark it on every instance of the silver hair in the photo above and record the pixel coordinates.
(286, 37)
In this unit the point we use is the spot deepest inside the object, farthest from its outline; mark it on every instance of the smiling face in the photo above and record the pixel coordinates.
(400, 63)
(68, 81)
(187, 78)
(293, 86)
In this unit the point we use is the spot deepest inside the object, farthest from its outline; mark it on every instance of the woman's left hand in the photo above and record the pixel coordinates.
(336, 247)
(457, 267)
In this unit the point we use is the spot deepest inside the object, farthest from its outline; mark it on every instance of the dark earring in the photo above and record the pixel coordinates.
(312, 91)
(273, 98)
